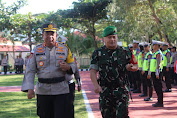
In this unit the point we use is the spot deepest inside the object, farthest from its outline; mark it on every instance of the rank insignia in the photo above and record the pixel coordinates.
(41, 63)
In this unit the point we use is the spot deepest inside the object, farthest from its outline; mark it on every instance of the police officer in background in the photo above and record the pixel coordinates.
(52, 61)
(136, 75)
(166, 66)
(21, 63)
(130, 73)
(16, 64)
(71, 96)
(4, 63)
(140, 65)
(112, 62)
(156, 72)
(147, 83)
(173, 60)
(26, 60)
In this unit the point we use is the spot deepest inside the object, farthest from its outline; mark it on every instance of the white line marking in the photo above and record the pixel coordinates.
(88, 108)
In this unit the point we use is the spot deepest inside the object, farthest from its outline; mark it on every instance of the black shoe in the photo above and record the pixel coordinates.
(132, 89)
(143, 95)
(148, 99)
(167, 90)
(157, 105)
(137, 91)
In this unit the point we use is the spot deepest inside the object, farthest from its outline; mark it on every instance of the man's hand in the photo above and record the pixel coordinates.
(132, 67)
(167, 69)
(31, 94)
(142, 72)
(157, 76)
(98, 89)
(149, 76)
(79, 88)
(64, 66)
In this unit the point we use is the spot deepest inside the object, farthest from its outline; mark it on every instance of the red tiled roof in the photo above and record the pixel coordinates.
(3, 40)
(9, 48)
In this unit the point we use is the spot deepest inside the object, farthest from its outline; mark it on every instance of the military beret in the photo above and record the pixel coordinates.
(50, 27)
(110, 30)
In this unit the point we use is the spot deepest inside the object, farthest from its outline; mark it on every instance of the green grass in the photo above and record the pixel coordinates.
(12, 80)
(16, 105)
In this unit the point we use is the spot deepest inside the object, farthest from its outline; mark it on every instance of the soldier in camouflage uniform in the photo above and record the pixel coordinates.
(112, 62)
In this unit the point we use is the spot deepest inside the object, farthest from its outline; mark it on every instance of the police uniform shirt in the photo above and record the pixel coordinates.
(26, 61)
(21, 61)
(46, 62)
(76, 75)
(4, 62)
(159, 61)
(16, 61)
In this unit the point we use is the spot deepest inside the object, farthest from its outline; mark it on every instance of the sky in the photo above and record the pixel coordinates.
(42, 6)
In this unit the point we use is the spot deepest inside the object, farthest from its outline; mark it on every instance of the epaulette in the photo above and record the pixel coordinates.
(62, 43)
(39, 45)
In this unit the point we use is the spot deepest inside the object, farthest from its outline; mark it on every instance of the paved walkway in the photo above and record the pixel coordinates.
(137, 109)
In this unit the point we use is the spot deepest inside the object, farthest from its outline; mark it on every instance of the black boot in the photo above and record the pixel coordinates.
(167, 90)
(157, 105)
(137, 91)
(148, 99)
(143, 95)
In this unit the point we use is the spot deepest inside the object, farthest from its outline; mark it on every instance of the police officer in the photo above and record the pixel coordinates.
(147, 83)
(166, 66)
(112, 61)
(16, 64)
(4, 63)
(26, 60)
(136, 75)
(51, 61)
(140, 65)
(156, 72)
(21, 63)
(130, 73)
(173, 60)
(71, 96)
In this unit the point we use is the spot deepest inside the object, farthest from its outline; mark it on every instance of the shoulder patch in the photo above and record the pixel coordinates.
(158, 55)
(168, 53)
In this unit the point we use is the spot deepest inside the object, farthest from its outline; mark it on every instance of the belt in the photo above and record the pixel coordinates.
(51, 80)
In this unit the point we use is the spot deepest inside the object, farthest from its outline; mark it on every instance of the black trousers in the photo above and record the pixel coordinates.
(144, 81)
(16, 68)
(71, 97)
(5, 69)
(20, 68)
(136, 80)
(130, 78)
(173, 76)
(167, 78)
(52, 106)
(158, 86)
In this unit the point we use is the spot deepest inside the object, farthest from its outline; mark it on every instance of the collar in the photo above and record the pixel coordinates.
(56, 44)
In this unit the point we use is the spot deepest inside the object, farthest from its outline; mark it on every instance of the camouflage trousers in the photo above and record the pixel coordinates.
(114, 103)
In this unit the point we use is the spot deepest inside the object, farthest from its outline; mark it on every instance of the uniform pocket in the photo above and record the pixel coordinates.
(59, 59)
(41, 61)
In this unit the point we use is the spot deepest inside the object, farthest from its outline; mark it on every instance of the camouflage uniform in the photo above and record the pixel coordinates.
(111, 65)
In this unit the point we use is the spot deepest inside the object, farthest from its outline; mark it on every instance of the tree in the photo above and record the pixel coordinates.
(87, 14)
(138, 19)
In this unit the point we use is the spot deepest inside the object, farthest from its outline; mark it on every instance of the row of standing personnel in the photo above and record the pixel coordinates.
(153, 65)
(19, 62)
